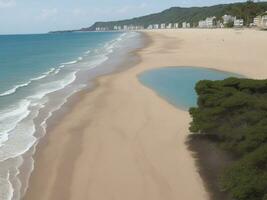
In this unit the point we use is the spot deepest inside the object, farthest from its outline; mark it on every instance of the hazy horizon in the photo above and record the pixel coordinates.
(40, 17)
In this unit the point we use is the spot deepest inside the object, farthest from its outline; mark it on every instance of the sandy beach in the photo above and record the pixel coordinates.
(121, 141)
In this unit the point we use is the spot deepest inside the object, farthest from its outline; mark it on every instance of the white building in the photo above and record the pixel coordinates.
(101, 29)
(202, 24)
(163, 26)
(188, 25)
(176, 25)
(169, 26)
(256, 21)
(184, 25)
(238, 23)
(227, 19)
(150, 27)
(156, 26)
(139, 27)
(125, 27)
(132, 27)
(209, 22)
(261, 21)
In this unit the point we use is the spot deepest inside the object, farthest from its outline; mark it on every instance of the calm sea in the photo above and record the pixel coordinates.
(31, 68)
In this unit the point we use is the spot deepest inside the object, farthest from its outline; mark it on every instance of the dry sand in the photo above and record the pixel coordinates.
(123, 142)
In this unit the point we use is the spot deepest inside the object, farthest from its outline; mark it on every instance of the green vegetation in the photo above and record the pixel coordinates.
(234, 111)
(229, 24)
(247, 11)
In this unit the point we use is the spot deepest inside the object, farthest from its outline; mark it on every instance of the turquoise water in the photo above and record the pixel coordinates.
(176, 84)
(23, 57)
(38, 73)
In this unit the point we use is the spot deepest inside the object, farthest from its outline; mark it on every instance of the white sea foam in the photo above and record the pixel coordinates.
(70, 63)
(73, 61)
(44, 75)
(58, 69)
(16, 87)
(38, 78)
(20, 139)
(6, 191)
(10, 117)
(88, 52)
(27, 174)
(53, 86)
(14, 172)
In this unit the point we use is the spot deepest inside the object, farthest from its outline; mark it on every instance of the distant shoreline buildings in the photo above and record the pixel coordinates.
(226, 21)
(261, 21)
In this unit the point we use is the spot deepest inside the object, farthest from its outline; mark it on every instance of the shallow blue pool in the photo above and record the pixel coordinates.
(177, 84)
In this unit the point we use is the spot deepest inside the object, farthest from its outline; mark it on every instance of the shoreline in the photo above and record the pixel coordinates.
(145, 164)
(66, 195)
(43, 96)
(93, 83)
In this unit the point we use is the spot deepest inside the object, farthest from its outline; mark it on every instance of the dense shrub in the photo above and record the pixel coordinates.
(234, 111)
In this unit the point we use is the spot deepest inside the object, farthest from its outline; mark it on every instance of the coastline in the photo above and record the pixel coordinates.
(111, 66)
(131, 144)
(27, 110)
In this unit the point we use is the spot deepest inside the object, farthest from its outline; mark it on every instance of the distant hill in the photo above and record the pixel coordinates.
(192, 15)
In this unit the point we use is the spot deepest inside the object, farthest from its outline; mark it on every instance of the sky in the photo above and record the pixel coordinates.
(40, 16)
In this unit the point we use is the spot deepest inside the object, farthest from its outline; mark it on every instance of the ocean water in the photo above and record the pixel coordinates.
(32, 68)
(177, 84)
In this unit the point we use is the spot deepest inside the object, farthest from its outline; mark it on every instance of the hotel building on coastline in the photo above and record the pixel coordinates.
(261, 21)
(176, 25)
(228, 19)
(186, 25)
(163, 26)
(209, 22)
(238, 23)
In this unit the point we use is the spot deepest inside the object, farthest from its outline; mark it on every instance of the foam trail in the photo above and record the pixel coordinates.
(70, 63)
(6, 191)
(44, 75)
(53, 86)
(14, 89)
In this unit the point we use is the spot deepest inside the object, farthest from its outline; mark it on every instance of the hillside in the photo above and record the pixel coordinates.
(192, 15)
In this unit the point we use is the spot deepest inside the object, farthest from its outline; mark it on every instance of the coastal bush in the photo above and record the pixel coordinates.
(247, 178)
(235, 112)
